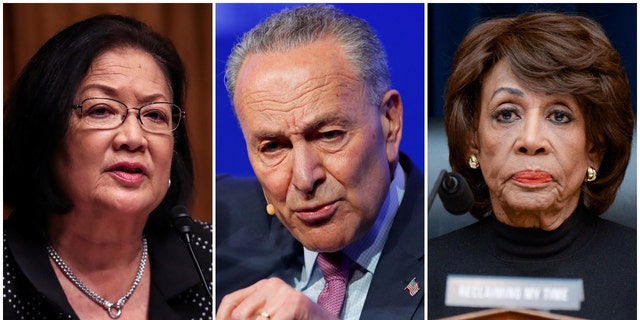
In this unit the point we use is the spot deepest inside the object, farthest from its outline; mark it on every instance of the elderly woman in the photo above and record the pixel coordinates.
(95, 156)
(539, 121)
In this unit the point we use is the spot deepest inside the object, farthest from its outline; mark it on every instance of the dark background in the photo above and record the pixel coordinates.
(447, 25)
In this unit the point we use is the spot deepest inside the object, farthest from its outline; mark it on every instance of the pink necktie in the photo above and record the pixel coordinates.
(335, 269)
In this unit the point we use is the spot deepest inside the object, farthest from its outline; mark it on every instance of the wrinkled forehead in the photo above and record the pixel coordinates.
(319, 68)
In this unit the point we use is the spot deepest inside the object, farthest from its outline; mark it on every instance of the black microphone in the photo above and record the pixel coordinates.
(181, 221)
(454, 192)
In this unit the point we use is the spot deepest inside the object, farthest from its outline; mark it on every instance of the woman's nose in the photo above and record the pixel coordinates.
(532, 139)
(131, 135)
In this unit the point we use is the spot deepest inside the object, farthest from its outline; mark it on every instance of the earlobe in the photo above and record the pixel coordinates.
(391, 114)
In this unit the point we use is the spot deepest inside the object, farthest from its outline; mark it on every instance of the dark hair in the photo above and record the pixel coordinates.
(550, 53)
(38, 110)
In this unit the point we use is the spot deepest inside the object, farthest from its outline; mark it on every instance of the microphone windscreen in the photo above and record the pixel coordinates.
(458, 199)
(181, 219)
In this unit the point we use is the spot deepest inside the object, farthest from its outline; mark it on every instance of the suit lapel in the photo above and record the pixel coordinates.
(291, 254)
(402, 258)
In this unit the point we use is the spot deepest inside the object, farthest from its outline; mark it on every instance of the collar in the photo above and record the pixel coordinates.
(366, 251)
(522, 243)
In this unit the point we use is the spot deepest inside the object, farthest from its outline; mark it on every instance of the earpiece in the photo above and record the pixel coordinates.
(271, 210)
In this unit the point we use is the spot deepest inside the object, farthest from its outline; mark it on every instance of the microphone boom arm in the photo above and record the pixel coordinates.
(436, 186)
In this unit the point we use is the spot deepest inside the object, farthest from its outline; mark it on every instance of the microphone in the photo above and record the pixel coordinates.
(454, 192)
(181, 221)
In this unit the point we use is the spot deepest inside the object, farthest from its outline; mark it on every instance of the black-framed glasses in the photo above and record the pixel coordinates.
(107, 113)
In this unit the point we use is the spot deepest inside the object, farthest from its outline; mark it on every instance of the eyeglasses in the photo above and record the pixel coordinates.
(107, 113)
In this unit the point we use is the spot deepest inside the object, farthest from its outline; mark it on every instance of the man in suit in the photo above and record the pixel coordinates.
(311, 89)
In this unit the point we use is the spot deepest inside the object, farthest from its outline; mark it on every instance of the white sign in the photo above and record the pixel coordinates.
(514, 292)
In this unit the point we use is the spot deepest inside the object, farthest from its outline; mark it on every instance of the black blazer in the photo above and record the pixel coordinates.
(176, 291)
(251, 245)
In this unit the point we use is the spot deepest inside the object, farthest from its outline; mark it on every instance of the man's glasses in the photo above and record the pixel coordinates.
(106, 113)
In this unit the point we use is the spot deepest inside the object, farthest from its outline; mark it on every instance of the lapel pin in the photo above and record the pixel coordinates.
(413, 287)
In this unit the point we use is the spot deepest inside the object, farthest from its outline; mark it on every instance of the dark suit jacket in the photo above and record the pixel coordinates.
(251, 245)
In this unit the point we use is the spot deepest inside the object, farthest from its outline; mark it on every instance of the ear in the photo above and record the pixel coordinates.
(391, 117)
(472, 137)
(595, 156)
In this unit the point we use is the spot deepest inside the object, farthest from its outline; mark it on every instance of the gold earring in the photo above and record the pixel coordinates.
(473, 162)
(592, 174)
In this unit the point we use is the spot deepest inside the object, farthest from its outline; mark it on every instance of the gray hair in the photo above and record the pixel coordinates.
(292, 28)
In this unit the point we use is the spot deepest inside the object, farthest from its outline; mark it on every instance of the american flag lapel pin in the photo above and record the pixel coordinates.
(413, 287)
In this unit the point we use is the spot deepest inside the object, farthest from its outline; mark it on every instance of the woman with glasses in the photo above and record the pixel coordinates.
(96, 155)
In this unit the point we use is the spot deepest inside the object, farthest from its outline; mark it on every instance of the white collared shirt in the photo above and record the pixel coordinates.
(365, 252)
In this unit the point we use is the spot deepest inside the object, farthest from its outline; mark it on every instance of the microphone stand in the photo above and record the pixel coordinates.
(186, 238)
(181, 221)
(436, 186)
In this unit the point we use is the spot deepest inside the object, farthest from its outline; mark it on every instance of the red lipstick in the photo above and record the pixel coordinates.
(532, 177)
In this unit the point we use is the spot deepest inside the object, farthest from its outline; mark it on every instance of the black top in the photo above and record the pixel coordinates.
(32, 291)
(600, 252)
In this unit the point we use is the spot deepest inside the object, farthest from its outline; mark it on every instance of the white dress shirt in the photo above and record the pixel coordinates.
(365, 252)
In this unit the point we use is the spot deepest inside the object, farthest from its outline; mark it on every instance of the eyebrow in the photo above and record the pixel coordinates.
(330, 119)
(314, 125)
(509, 90)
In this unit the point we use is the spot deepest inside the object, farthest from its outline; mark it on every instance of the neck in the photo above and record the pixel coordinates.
(93, 243)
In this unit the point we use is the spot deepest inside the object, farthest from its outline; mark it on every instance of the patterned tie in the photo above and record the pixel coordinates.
(335, 269)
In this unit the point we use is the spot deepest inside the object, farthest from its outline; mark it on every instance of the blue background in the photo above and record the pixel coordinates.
(400, 27)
